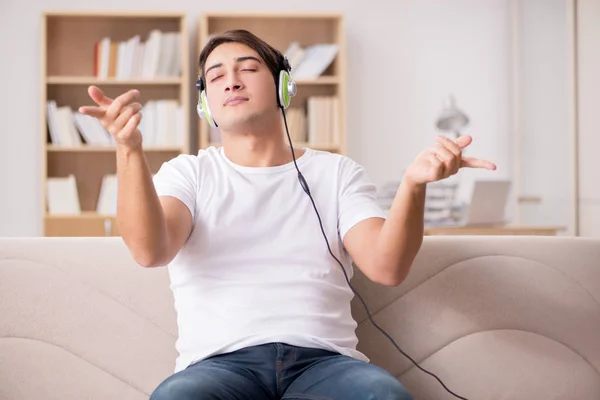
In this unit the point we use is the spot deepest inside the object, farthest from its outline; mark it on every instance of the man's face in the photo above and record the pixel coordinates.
(239, 86)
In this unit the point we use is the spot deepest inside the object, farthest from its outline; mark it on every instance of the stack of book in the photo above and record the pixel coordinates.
(441, 207)
(312, 61)
(296, 120)
(440, 203)
(158, 56)
(323, 120)
(62, 196)
(162, 125)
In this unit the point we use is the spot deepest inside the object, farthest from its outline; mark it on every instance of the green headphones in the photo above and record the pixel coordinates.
(285, 86)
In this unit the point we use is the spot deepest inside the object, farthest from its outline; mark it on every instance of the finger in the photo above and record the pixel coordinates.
(126, 114)
(124, 135)
(435, 160)
(449, 144)
(97, 112)
(98, 96)
(120, 102)
(471, 162)
(464, 141)
(132, 124)
(446, 156)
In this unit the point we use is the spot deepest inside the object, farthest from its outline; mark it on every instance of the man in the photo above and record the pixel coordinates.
(263, 309)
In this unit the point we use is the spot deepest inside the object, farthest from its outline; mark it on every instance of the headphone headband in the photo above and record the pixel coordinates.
(286, 64)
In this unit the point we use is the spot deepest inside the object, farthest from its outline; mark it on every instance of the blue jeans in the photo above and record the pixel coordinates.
(278, 371)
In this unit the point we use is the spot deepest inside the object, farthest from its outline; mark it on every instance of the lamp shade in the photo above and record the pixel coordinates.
(451, 117)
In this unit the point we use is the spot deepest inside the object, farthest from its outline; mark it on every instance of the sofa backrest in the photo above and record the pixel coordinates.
(80, 320)
(493, 317)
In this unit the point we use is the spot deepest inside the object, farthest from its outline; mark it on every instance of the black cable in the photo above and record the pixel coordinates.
(307, 191)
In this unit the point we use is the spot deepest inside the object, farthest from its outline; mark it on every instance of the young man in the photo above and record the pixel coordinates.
(263, 308)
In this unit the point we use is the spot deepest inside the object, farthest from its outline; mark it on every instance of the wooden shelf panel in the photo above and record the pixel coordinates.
(313, 89)
(99, 149)
(83, 215)
(325, 147)
(113, 14)
(316, 15)
(92, 80)
(299, 145)
(322, 80)
(76, 94)
(84, 224)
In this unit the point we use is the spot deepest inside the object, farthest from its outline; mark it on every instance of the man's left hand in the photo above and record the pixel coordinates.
(443, 160)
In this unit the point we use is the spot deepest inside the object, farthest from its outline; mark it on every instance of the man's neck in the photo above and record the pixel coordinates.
(252, 149)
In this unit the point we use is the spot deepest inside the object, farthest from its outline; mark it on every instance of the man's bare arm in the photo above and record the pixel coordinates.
(153, 229)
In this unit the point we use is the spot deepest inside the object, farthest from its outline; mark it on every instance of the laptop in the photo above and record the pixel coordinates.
(487, 207)
(488, 203)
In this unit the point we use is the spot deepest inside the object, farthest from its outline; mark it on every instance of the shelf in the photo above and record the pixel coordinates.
(83, 215)
(74, 44)
(68, 13)
(99, 149)
(318, 111)
(324, 147)
(322, 80)
(91, 80)
(274, 15)
(88, 223)
(300, 145)
(529, 199)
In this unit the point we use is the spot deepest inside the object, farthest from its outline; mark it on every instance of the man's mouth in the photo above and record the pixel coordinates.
(235, 100)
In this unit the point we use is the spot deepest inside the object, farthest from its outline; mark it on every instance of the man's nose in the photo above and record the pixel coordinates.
(233, 83)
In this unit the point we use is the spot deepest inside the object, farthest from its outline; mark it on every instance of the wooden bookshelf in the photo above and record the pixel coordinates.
(69, 66)
(280, 30)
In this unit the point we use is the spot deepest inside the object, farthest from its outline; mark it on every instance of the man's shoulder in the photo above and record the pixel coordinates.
(340, 163)
(186, 165)
(330, 157)
(201, 157)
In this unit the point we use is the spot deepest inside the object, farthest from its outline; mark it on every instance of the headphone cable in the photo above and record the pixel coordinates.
(307, 191)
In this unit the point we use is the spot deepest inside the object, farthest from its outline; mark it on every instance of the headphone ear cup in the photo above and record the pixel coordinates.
(204, 110)
(200, 110)
(286, 89)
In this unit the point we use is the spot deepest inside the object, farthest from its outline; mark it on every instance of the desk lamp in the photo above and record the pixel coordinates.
(451, 118)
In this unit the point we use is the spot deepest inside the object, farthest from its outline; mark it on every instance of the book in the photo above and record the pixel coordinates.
(312, 61)
(62, 197)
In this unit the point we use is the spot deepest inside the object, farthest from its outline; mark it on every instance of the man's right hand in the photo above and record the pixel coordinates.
(120, 117)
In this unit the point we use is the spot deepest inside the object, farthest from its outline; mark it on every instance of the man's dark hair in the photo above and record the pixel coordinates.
(272, 57)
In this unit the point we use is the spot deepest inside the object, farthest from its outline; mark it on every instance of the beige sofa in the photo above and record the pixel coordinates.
(494, 317)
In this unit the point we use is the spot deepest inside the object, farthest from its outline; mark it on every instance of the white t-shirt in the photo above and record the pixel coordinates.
(256, 268)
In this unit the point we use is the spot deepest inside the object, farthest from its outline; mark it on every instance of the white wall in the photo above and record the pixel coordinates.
(427, 50)
(589, 111)
(544, 154)
(404, 58)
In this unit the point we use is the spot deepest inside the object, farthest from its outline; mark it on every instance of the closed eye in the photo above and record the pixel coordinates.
(215, 78)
